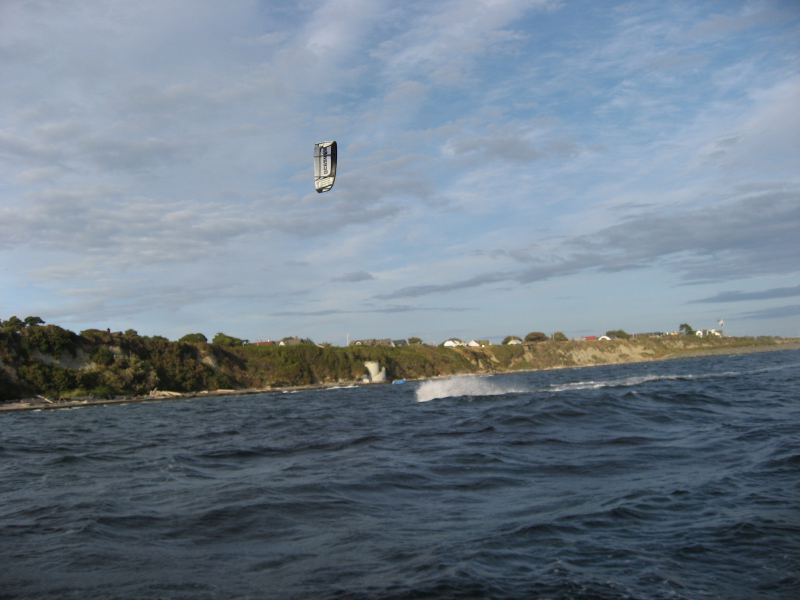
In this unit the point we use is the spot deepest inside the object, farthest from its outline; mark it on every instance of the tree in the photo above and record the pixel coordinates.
(536, 336)
(13, 324)
(414, 340)
(510, 338)
(31, 321)
(686, 329)
(222, 339)
(50, 339)
(618, 334)
(558, 336)
(194, 338)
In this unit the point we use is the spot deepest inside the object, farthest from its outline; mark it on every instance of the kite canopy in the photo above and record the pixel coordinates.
(324, 166)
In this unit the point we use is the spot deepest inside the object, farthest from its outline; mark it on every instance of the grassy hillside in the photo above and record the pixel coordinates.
(38, 359)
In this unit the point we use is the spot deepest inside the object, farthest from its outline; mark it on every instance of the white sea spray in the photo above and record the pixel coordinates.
(464, 386)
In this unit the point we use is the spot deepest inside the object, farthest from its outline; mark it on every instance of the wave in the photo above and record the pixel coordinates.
(482, 386)
(464, 386)
(619, 382)
(468, 386)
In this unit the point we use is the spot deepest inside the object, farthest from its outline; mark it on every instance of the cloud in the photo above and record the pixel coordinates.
(484, 146)
(751, 235)
(391, 309)
(354, 277)
(425, 290)
(508, 146)
(738, 296)
(439, 48)
(107, 223)
(778, 312)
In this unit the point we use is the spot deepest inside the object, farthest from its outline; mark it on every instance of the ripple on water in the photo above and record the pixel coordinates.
(657, 480)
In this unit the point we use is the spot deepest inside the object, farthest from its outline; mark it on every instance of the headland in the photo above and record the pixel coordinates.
(47, 367)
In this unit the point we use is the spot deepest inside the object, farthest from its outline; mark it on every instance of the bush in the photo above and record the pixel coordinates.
(103, 356)
(226, 340)
(618, 334)
(13, 324)
(194, 338)
(50, 339)
(536, 336)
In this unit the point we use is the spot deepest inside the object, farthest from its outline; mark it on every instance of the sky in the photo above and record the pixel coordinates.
(505, 166)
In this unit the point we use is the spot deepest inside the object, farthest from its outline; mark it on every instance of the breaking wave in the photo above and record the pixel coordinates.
(472, 385)
(464, 386)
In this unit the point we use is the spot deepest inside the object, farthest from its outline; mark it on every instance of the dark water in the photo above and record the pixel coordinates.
(678, 479)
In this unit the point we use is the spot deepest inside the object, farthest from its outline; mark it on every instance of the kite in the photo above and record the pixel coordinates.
(324, 166)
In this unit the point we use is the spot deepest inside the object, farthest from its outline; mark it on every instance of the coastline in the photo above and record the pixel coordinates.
(41, 403)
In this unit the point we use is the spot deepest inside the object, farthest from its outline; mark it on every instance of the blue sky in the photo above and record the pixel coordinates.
(505, 166)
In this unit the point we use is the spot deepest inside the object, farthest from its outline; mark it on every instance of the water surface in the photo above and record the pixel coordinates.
(678, 479)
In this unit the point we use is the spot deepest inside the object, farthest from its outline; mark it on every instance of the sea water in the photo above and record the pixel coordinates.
(676, 479)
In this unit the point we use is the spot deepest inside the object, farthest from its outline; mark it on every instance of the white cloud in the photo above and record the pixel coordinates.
(482, 145)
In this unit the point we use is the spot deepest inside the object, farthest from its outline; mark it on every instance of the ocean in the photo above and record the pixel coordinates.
(676, 479)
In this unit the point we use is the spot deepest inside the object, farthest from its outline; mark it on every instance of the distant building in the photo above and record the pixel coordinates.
(707, 333)
(386, 342)
(453, 343)
(604, 338)
(590, 338)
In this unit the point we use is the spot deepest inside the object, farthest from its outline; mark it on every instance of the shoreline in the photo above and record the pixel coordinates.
(41, 403)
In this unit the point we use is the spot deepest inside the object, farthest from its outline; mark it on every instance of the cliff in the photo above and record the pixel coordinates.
(46, 360)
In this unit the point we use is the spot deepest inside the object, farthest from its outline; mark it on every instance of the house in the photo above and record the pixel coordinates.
(514, 342)
(707, 333)
(590, 338)
(453, 343)
(604, 338)
(373, 342)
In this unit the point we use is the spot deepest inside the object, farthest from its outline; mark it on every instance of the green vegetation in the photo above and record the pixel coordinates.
(224, 340)
(194, 338)
(618, 334)
(536, 336)
(39, 359)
